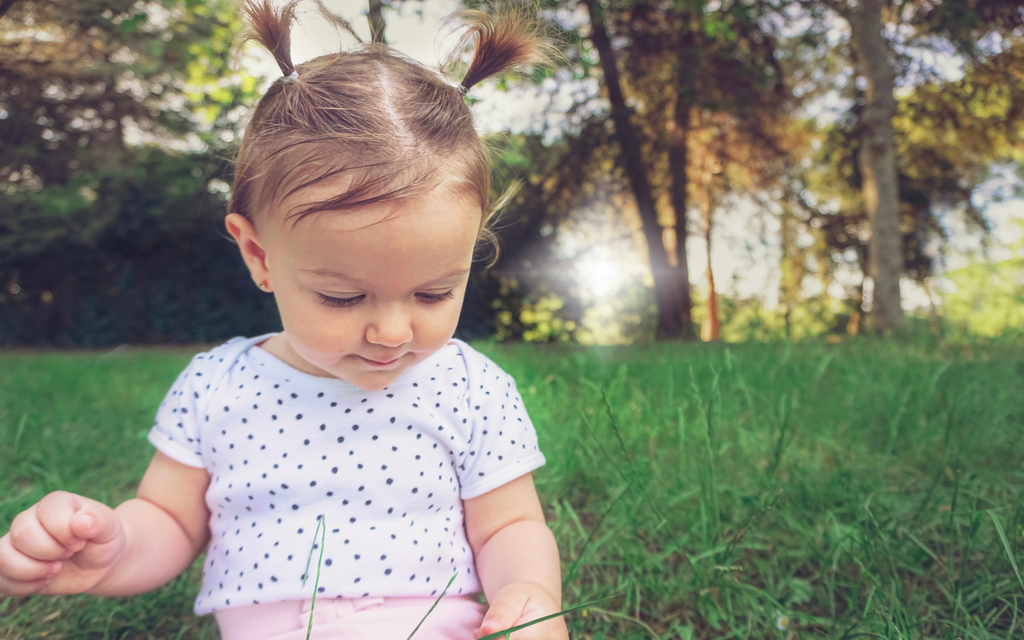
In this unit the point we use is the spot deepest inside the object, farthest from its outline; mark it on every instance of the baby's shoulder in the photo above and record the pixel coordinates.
(480, 371)
(225, 354)
(208, 368)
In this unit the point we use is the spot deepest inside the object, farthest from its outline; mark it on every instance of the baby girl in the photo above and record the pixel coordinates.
(360, 197)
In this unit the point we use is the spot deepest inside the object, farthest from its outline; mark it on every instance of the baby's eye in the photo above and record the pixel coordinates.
(436, 297)
(338, 302)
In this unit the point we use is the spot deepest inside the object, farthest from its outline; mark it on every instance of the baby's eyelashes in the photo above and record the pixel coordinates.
(339, 302)
(429, 298)
(438, 297)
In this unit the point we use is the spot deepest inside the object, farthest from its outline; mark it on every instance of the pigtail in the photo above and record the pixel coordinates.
(272, 29)
(509, 38)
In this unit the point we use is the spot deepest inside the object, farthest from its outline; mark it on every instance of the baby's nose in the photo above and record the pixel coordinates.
(389, 331)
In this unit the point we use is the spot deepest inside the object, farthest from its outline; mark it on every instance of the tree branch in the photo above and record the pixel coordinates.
(337, 21)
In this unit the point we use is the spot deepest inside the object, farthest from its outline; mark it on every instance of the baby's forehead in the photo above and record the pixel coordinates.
(423, 217)
(406, 238)
(367, 207)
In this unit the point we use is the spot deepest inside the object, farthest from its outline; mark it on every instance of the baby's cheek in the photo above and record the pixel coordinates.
(439, 328)
(324, 331)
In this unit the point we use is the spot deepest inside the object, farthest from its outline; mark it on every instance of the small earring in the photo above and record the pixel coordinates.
(263, 285)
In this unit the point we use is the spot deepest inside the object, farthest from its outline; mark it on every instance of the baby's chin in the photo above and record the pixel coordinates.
(373, 380)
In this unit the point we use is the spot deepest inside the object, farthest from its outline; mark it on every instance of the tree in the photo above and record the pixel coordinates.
(710, 62)
(104, 72)
(375, 16)
(671, 291)
(877, 162)
(961, 23)
(114, 117)
(947, 135)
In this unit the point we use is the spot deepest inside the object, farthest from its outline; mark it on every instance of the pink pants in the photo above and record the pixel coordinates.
(454, 618)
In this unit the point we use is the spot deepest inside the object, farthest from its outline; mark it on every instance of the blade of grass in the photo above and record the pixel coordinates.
(894, 422)
(640, 622)
(629, 459)
(1006, 545)
(444, 591)
(819, 372)
(572, 570)
(923, 547)
(780, 444)
(17, 435)
(321, 528)
(504, 632)
(607, 455)
(712, 490)
(741, 531)
(1013, 623)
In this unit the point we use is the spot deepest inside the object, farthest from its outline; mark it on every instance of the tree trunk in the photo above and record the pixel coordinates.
(668, 289)
(877, 161)
(711, 329)
(376, 19)
(857, 314)
(790, 267)
(678, 159)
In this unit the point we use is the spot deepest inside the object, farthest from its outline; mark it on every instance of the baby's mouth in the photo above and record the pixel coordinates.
(377, 363)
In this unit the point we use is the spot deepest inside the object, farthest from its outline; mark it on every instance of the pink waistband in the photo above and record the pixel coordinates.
(268, 620)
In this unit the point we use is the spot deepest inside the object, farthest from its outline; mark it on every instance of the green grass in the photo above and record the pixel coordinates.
(863, 489)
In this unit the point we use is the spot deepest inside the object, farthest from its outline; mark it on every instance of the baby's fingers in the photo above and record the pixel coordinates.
(55, 512)
(29, 536)
(74, 520)
(20, 574)
(501, 615)
(96, 522)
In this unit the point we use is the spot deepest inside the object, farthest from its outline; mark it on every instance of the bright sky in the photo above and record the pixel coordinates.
(413, 29)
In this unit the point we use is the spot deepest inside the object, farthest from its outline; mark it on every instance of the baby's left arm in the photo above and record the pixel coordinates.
(517, 559)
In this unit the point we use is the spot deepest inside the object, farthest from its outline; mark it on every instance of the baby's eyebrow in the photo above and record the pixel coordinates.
(328, 273)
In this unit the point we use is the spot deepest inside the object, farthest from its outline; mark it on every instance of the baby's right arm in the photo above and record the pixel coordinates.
(69, 544)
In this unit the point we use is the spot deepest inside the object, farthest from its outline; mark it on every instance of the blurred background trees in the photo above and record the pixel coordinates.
(115, 118)
(832, 154)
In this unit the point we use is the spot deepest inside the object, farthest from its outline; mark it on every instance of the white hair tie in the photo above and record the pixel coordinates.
(290, 78)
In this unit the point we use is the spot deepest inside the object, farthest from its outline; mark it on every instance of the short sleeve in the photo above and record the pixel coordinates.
(176, 432)
(503, 444)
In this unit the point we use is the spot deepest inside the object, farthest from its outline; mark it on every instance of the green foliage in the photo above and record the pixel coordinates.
(747, 319)
(144, 262)
(864, 488)
(78, 82)
(988, 299)
(107, 234)
(948, 136)
(541, 321)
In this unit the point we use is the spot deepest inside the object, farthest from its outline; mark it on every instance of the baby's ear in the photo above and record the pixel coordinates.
(238, 225)
(249, 244)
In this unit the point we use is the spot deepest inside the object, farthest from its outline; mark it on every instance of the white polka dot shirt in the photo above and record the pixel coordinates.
(387, 469)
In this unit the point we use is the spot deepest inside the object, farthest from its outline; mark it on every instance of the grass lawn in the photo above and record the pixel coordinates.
(862, 489)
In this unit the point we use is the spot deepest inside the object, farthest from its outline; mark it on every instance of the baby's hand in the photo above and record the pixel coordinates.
(63, 544)
(519, 603)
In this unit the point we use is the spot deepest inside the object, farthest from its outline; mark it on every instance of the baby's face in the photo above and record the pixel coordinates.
(364, 300)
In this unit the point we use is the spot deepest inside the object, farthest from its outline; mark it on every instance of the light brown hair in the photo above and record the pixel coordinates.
(396, 127)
